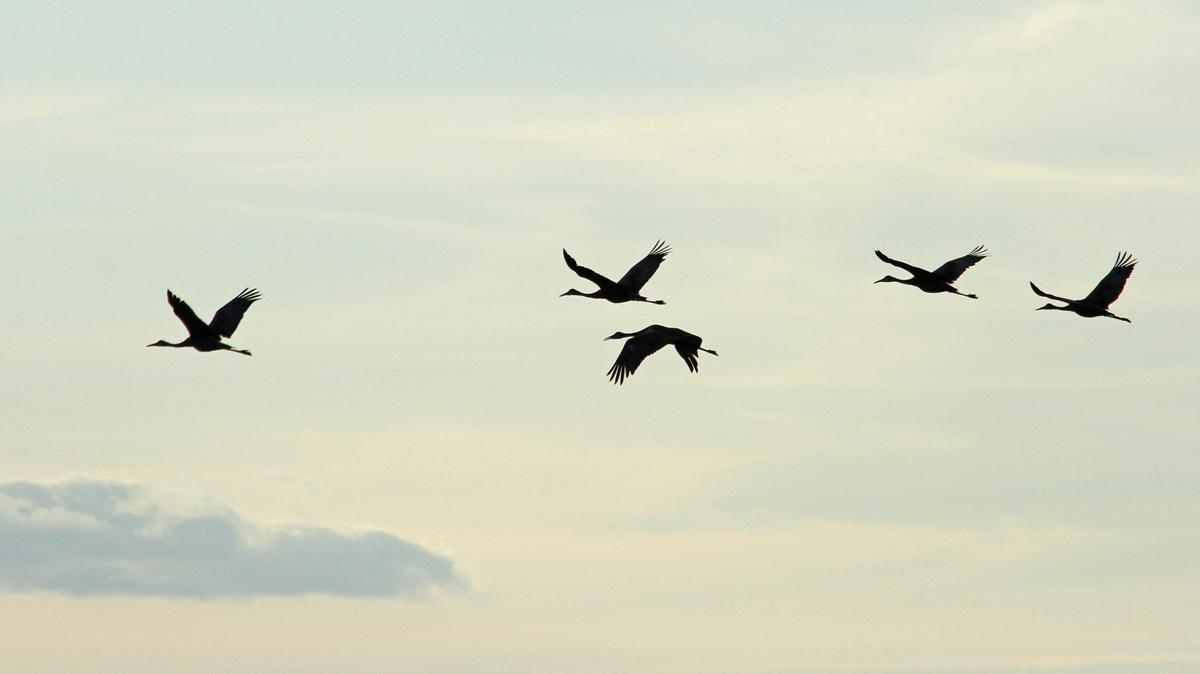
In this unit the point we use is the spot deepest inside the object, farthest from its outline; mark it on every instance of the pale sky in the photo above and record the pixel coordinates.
(423, 468)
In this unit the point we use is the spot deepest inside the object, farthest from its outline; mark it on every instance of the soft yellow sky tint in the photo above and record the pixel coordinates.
(867, 479)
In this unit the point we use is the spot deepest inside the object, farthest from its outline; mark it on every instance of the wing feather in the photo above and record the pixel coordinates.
(584, 272)
(636, 350)
(227, 318)
(915, 271)
(1109, 289)
(950, 271)
(195, 326)
(640, 273)
(689, 354)
(1039, 291)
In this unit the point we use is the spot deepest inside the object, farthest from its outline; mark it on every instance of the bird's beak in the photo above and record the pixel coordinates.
(564, 294)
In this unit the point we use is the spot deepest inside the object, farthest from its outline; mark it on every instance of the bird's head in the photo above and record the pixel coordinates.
(1046, 306)
(572, 291)
(161, 342)
(617, 335)
(888, 279)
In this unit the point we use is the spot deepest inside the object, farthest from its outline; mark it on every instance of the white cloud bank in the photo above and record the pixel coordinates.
(92, 537)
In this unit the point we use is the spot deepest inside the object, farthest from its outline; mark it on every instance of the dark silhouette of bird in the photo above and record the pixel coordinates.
(648, 340)
(629, 288)
(207, 336)
(1105, 293)
(939, 280)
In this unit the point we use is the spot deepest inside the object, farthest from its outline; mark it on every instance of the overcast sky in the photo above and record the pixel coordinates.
(423, 467)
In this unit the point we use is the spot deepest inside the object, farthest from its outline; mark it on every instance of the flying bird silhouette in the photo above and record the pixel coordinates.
(1105, 293)
(629, 288)
(648, 340)
(940, 280)
(207, 337)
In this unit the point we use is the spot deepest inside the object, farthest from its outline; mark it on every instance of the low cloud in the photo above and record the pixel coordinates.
(92, 537)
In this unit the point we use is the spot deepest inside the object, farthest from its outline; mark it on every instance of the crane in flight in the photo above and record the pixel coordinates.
(629, 288)
(648, 340)
(939, 280)
(1105, 293)
(207, 336)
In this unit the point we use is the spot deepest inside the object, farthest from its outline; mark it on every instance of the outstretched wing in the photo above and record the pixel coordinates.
(190, 320)
(689, 353)
(584, 271)
(1110, 287)
(1039, 291)
(636, 350)
(915, 271)
(641, 272)
(950, 271)
(227, 318)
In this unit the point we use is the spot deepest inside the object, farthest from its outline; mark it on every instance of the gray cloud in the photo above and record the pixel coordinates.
(88, 537)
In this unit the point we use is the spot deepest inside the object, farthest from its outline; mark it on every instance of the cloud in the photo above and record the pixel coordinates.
(90, 537)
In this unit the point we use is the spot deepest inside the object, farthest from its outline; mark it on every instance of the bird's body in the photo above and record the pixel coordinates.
(940, 280)
(207, 336)
(649, 339)
(1105, 293)
(629, 288)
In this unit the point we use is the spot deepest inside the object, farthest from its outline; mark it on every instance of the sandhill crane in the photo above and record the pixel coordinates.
(629, 288)
(1105, 293)
(207, 337)
(648, 340)
(940, 279)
